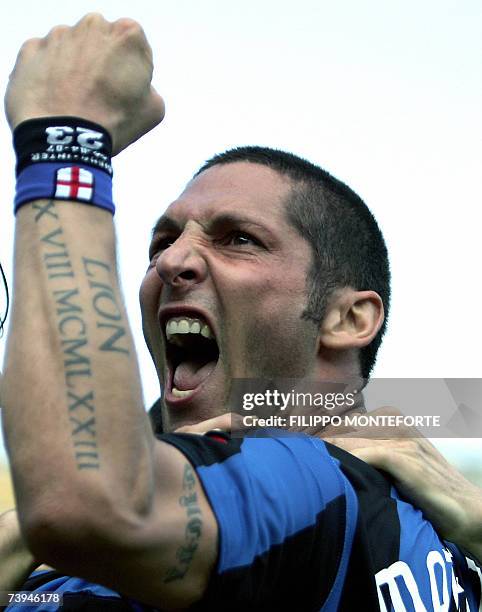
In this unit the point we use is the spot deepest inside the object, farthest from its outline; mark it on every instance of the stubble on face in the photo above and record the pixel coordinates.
(260, 294)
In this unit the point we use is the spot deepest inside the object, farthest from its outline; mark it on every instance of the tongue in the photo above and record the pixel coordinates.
(189, 374)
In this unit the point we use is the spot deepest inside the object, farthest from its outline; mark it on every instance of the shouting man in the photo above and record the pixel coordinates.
(264, 267)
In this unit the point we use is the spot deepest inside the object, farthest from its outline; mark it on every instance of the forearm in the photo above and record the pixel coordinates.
(469, 533)
(426, 479)
(71, 390)
(16, 561)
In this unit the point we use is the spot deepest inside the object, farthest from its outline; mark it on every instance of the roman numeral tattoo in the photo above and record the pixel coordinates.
(76, 345)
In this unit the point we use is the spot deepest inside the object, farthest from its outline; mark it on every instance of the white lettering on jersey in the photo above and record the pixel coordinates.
(440, 601)
(388, 576)
(439, 571)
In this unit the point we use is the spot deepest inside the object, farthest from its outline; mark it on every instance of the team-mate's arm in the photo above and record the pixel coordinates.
(451, 502)
(97, 495)
(16, 561)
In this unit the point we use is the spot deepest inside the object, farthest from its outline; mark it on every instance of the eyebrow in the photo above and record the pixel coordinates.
(232, 219)
(165, 224)
(168, 225)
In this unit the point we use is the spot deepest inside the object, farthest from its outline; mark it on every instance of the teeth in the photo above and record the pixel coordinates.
(183, 327)
(187, 326)
(206, 332)
(178, 393)
(171, 328)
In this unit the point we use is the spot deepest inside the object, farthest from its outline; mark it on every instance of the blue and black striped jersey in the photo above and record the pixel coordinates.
(305, 526)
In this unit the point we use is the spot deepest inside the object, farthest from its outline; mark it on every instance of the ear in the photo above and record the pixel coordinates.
(352, 320)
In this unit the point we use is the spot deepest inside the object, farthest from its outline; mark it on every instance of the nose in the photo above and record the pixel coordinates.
(181, 265)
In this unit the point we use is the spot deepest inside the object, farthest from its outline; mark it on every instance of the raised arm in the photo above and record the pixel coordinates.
(97, 495)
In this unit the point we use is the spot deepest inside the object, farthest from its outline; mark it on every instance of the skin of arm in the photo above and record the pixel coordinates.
(449, 501)
(16, 561)
(91, 481)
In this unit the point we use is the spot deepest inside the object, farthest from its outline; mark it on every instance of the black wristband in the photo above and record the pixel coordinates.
(69, 140)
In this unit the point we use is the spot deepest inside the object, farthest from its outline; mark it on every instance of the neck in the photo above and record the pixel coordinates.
(318, 407)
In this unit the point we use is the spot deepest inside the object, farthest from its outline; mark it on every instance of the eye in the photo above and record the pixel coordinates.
(238, 239)
(158, 245)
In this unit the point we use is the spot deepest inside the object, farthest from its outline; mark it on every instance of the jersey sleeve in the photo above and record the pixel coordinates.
(51, 591)
(286, 517)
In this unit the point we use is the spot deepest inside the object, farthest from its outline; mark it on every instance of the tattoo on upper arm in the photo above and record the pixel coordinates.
(193, 530)
(73, 331)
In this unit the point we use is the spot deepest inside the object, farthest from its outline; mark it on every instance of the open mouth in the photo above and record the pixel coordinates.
(192, 354)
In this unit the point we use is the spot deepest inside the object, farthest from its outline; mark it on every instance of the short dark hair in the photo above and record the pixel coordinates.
(347, 244)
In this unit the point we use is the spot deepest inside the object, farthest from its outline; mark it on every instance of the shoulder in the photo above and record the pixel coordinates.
(286, 517)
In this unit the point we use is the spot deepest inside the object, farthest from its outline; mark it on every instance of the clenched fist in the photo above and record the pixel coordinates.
(96, 70)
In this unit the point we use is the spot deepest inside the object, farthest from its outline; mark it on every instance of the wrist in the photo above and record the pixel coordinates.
(62, 139)
(63, 158)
